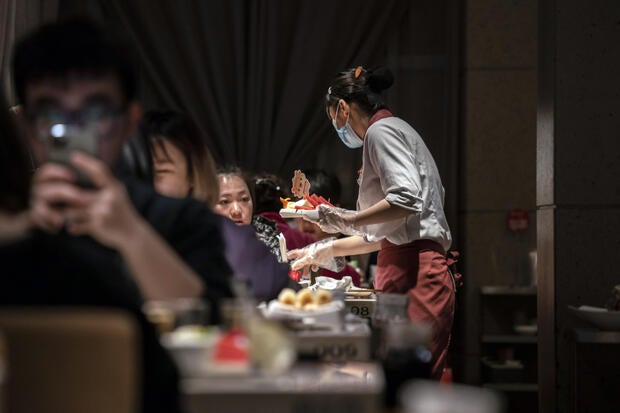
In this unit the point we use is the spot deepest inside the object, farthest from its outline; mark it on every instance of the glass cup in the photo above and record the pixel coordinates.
(168, 315)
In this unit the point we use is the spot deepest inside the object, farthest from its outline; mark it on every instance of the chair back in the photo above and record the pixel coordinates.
(70, 360)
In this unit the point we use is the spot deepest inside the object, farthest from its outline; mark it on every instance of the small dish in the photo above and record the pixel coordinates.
(312, 214)
(598, 317)
(190, 348)
(526, 329)
(358, 294)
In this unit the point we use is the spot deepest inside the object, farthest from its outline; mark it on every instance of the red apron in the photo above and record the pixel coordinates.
(420, 270)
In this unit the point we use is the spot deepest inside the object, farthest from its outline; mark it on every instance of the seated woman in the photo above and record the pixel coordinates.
(236, 202)
(183, 167)
(258, 205)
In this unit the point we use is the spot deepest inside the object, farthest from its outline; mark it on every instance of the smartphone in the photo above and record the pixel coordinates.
(65, 139)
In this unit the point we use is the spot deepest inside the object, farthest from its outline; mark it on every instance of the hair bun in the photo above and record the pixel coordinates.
(380, 79)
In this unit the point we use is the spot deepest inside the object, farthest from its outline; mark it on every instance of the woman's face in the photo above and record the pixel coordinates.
(235, 201)
(170, 171)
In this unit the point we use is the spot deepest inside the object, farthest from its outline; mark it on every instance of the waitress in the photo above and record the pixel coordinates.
(399, 206)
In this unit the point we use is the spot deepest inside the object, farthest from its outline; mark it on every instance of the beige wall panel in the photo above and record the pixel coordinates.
(500, 33)
(500, 140)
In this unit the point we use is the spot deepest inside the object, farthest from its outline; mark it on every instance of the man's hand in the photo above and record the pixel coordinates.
(104, 213)
(53, 191)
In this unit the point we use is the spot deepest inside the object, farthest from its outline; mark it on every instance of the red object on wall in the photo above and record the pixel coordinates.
(518, 220)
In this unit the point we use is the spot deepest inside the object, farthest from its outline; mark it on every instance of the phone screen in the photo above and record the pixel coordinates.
(66, 139)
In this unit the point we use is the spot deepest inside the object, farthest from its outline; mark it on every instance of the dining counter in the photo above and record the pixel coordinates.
(354, 387)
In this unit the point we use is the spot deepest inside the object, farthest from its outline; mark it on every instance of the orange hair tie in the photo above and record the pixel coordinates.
(358, 71)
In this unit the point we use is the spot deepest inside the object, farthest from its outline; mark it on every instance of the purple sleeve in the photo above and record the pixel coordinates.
(252, 261)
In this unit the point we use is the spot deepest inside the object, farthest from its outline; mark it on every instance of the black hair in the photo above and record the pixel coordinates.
(136, 160)
(325, 184)
(362, 86)
(231, 169)
(74, 46)
(15, 166)
(182, 132)
(268, 189)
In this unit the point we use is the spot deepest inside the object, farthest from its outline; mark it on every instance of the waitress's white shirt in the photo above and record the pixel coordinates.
(397, 166)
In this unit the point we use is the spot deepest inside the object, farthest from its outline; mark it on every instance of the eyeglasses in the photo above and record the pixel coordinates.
(101, 119)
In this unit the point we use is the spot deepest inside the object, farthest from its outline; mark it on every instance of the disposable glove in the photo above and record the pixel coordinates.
(336, 220)
(318, 254)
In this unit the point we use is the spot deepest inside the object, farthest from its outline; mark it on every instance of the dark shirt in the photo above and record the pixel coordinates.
(267, 232)
(60, 270)
(192, 230)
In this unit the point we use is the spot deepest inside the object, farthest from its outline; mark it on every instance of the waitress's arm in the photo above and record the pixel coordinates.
(380, 212)
(354, 246)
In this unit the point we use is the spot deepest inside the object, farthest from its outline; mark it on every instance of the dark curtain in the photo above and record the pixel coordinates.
(252, 73)
(16, 18)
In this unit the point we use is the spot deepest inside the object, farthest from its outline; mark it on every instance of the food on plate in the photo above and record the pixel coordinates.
(322, 297)
(307, 202)
(311, 307)
(304, 297)
(287, 296)
(296, 205)
(190, 334)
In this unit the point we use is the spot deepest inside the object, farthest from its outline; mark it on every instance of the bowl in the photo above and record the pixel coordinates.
(597, 316)
(190, 349)
(526, 329)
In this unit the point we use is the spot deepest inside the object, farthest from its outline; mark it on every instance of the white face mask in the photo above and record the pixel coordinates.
(346, 134)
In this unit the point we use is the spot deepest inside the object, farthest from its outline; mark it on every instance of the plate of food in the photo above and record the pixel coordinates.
(190, 347)
(316, 307)
(599, 317)
(307, 203)
(293, 212)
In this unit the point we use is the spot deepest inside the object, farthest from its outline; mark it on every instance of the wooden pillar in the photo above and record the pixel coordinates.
(578, 189)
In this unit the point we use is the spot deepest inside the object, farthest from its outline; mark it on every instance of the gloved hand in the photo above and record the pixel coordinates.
(336, 220)
(319, 254)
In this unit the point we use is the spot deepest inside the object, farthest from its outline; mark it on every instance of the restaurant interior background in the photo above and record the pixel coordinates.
(517, 99)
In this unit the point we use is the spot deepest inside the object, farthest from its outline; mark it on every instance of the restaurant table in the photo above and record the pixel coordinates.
(352, 387)
(351, 343)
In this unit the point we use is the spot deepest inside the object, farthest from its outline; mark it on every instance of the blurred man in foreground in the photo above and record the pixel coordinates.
(76, 85)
